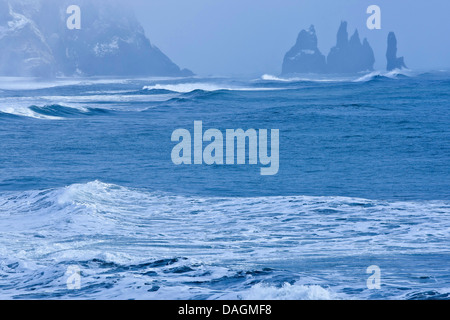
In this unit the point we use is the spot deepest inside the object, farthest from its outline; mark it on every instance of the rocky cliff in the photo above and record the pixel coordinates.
(35, 41)
(23, 48)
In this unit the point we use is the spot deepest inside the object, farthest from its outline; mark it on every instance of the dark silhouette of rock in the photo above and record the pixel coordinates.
(35, 41)
(342, 36)
(393, 62)
(305, 56)
(350, 56)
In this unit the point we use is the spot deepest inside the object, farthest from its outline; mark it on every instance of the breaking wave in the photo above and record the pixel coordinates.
(51, 112)
(203, 86)
(379, 75)
(311, 78)
(133, 243)
(287, 291)
(395, 74)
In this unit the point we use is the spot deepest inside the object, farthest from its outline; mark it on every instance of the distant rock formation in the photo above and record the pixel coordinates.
(305, 56)
(393, 62)
(23, 48)
(35, 41)
(348, 56)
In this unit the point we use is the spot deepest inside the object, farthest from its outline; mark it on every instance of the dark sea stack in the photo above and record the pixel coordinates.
(342, 36)
(111, 42)
(393, 62)
(361, 55)
(350, 56)
(305, 56)
(368, 54)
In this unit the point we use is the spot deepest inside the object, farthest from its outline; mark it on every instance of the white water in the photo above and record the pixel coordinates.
(45, 231)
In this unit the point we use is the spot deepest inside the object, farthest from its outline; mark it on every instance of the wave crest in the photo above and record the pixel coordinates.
(312, 78)
(288, 291)
(379, 75)
(395, 74)
(201, 86)
(52, 112)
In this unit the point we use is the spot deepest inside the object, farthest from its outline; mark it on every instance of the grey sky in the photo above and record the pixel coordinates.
(250, 37)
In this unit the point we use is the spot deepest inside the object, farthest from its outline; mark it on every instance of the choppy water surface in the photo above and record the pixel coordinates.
(86, 180)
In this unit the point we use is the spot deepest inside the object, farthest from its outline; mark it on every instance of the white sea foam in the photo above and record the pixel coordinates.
(376, 224)
(287, 291)
(205, 86)
(311, 78)
(388, 74)
(102, 98)
(116, 233)
(319, 78)
(25, 111)
(21, 106)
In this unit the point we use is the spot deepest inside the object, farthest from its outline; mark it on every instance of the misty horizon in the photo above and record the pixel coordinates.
(211, 39)
(239, 38)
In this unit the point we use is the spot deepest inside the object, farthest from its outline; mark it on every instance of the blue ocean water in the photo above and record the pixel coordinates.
(86, 179)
